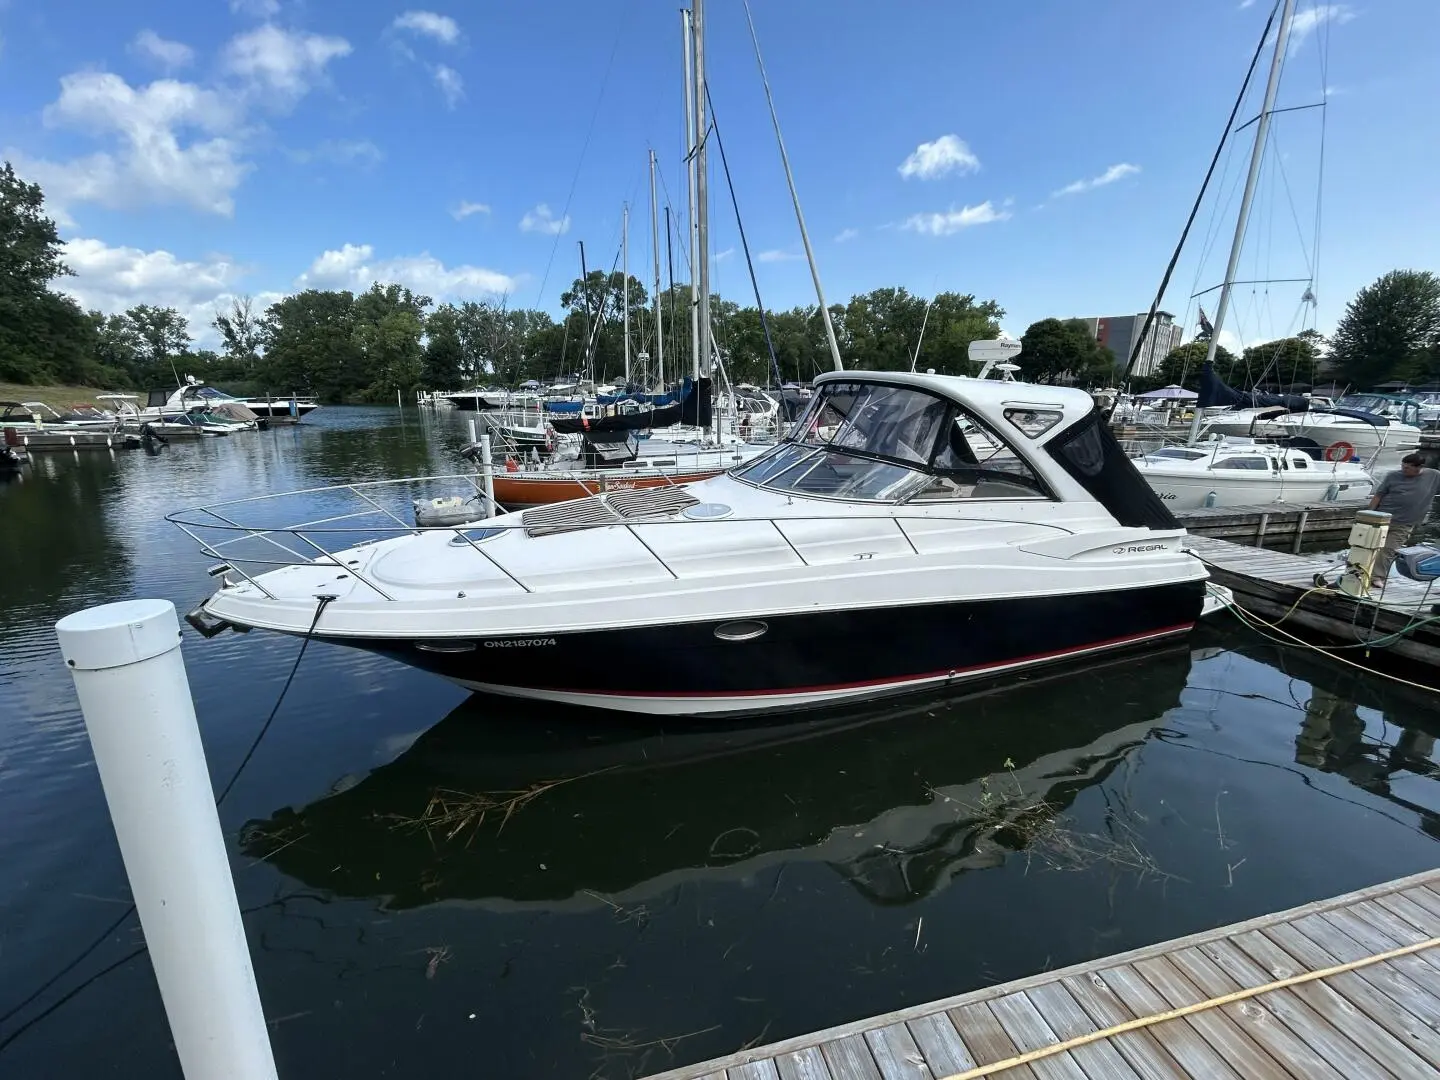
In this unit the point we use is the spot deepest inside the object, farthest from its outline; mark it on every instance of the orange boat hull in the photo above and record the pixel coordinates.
(539, 489)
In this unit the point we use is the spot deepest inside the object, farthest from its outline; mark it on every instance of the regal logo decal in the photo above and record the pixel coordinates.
(520, 643)
(1136, 549)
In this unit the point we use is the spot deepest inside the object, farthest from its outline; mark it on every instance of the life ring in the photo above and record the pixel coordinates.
(1339, 451)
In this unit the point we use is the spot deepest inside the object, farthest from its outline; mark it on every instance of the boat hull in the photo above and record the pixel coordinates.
(277, 407)
(804, 660)
(520, 490)
(1192, 492)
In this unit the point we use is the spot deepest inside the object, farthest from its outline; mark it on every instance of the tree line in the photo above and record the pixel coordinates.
(364, 346)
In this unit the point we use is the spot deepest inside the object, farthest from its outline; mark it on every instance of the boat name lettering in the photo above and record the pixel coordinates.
(1135, 549)
(1167, 495)
(520, 643)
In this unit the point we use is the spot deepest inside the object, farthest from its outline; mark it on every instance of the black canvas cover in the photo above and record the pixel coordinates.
(1213, 392)
(1090, 453)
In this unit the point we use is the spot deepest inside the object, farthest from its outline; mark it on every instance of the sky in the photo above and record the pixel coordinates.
(1042, 154)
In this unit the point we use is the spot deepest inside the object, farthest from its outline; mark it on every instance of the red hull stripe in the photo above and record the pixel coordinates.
(1178, 628)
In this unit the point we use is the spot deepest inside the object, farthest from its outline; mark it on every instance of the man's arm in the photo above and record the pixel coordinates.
(1380, 489)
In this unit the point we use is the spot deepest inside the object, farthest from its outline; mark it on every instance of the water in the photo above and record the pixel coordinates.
(652, 896)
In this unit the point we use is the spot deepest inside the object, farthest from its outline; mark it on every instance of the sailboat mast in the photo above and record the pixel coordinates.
(625, 273)
(702, 210)
(655, 246)
(688, 35)
(1257, 155)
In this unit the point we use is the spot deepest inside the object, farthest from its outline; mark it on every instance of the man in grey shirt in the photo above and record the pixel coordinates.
(1406, 496)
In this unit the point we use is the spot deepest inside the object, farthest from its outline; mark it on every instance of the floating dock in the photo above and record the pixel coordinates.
(1281, 589)
(1341, 988)
(59, 439)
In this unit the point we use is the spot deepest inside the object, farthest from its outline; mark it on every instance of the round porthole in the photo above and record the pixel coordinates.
(707, 512)
(741, 630)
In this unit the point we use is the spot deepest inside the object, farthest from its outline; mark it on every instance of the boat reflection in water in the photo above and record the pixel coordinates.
(898, 800)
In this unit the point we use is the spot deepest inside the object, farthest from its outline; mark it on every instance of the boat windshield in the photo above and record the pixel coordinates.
(872, 442)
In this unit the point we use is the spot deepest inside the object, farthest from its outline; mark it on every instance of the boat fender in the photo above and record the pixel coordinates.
(1339, 451)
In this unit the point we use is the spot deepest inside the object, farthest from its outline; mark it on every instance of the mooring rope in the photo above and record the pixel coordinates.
(1188, 1010)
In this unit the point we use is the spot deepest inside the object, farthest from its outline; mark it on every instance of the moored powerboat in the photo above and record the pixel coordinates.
(913, 531)
(1358, 424)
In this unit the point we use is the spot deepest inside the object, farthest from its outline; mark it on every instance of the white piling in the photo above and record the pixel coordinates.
(487, 472)
(398, 403)
(130, 678)
(470, 421)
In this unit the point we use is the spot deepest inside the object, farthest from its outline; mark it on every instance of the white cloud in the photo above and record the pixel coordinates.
(844, 236)
(440, 27)
(169, 55)
(354, 267)
(1308, 21)
(281, 65)
(931, 160)
(452, 86)
(1245, 4)
(951, 221)
(541, 220)
(465, 209)
(775, 255)
(259, 9)
(116, 278)
(151, 163)
(173, 142)
(361, 152)
(721, 256)
(1109, 176)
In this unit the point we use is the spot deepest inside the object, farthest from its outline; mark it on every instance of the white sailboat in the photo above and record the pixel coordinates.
(1226, 473)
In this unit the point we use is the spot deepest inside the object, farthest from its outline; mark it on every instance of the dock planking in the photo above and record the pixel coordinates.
(1274, 523)
(1280, 587)
(1376, 1019)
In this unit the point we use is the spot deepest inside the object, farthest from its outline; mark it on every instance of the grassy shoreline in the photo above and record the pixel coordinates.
(57, 397)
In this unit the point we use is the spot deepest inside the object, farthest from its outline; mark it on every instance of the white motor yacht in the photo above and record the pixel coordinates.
(1358, 425)
(1243, 472)
(877, 550)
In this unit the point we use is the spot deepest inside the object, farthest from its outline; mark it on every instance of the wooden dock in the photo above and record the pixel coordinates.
(1281, 589)
(57, 439)
(1288, 524)
(1341, 988)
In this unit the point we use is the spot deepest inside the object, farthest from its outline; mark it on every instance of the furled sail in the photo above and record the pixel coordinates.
(1213, 392)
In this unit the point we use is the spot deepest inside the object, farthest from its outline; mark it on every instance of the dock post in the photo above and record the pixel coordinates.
(470, 422)
(1260, 530)
(1300, 531)
(487, 471)
(130, 679)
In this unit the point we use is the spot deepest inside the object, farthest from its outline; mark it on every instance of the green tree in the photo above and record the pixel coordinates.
(162, 340)
(43, 335)
(1285, 360)
(1055, 349)
(1182, 367)
(1391, 330)
(957, 319)
(596, 305)
(310, 346)
(242, 332)
(444, 362)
